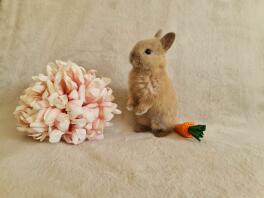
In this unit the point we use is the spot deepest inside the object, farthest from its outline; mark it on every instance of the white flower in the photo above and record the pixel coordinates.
(68, 103)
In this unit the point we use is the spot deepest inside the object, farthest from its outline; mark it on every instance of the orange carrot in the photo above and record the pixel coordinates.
(182, 129)
(189, 129)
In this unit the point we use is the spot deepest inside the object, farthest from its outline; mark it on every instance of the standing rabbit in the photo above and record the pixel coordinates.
(151, 93)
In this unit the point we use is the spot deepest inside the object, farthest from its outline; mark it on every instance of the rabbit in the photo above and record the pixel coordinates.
(152, 96)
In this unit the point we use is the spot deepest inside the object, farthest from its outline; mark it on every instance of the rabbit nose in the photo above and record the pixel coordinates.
(132, 56)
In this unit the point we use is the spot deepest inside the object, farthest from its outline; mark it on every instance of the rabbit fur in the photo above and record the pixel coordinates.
(151, 93)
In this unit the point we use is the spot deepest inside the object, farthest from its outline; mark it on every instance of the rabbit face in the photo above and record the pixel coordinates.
(147, 54)
(150, 53)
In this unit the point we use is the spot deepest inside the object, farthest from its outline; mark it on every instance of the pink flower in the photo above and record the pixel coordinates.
(68, 103)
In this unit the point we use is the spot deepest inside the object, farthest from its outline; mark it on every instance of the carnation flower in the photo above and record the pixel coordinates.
(68, 103)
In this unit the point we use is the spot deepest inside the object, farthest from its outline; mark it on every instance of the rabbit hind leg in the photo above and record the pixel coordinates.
(142, 124)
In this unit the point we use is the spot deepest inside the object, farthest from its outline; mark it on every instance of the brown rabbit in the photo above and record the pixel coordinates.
(151, 93)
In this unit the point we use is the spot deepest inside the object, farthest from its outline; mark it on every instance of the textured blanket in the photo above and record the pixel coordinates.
(217, 67)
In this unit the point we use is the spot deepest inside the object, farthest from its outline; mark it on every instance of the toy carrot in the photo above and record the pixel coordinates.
(189, 129)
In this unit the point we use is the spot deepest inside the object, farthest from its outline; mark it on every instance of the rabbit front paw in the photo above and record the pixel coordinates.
(140, 110)
(129, 107)
(130, 104)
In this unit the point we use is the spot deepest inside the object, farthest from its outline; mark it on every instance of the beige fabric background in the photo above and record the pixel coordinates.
(217, 66)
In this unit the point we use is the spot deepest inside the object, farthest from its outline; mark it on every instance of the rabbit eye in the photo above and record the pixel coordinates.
(148, 51)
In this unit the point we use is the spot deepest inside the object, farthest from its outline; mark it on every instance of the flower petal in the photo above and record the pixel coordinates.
(82, 93)
(38, 87)
(74, 111)
(67, 138)
(79, 123)
(40, 77)
(98, 83)
(74, 95)
(70, 84)
(50, 116)
(90, 114)
(108, 116)
(39, 104)
(62, 122)
(52, 69)
(91, 134)
(51, 87)
(55, 136)
(117, 111)
(40, 129)
(57, 83)
(78, 136)
(37, 124)
(95, 92)
(89, 126)
(78, 74)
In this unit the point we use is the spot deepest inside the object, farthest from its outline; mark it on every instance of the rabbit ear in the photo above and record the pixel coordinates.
(167, 40)
(158, 34)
